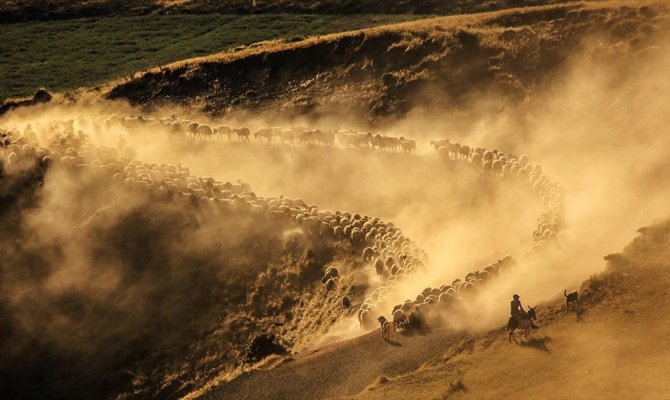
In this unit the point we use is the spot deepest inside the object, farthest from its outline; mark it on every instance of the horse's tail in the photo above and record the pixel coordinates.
(565, 292)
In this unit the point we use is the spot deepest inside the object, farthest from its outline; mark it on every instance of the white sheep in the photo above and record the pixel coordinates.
(399, 319)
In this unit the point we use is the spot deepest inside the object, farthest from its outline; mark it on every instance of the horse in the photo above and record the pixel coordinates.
(525, 323)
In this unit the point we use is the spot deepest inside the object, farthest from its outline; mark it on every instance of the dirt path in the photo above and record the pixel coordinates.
(340, 369)
(618, 348)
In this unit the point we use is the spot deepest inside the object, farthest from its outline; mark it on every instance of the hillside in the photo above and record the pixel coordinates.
(25, 10)
(432, 64)
(161, 279)
(617, 347)
(67, 54)
(235, 225)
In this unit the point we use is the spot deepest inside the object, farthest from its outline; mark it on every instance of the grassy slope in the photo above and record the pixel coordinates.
(389, 70)
(62, 55)
(23, 10)
(617, 348)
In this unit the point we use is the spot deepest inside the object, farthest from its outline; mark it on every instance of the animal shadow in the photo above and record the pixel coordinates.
(537, 343)
(394, 343)
(421, 330)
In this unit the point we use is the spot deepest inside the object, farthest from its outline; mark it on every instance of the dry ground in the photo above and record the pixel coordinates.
(617, 347)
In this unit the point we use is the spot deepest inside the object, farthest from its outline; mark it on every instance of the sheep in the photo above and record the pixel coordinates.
(204, 131)
(331, 272)
(357, 237)
(264, 134)
(476, 159)
(415, 319)
(192, 128)
(368, 253)
(287, 136)
(399, 319)
(243, 133)
(440, 143)
(224, 130)
(464, 151)
(346, 303)
(454, 148)
(523, 160)
(331, 284)
(379, 267)
(407, 145)
(445, 298)
(363, 315)
(407, 306)
(385, 326)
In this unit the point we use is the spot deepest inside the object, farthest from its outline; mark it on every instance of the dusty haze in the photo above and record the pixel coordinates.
(600, 129)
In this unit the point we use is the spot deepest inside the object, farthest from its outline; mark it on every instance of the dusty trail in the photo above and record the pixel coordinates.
(617, 347)
(350, 367)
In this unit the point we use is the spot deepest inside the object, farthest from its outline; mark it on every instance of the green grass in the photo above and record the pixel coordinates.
(63, 55)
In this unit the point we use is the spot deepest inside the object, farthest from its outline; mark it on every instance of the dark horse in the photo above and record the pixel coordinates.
(525, 323)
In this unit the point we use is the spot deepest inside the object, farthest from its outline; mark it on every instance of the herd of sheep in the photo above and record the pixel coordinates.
(505, 166)
(511, 166)
(184, 128)
(65, 144)
(383, 246)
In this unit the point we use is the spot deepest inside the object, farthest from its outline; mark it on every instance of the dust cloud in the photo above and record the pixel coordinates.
(601, 129)
(87, 263)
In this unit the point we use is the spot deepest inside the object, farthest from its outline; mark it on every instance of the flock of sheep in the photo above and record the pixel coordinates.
(511, 166)
(64, 143)
(383, 246)
(184, 128)
(411, 313)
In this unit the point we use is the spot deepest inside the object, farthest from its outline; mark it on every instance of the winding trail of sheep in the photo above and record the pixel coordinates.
(382, 244)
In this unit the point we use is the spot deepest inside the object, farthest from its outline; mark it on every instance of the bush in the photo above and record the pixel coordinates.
(261, 346)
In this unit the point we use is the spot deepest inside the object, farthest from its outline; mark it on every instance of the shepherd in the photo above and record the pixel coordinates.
(516, 309)
(519, 318)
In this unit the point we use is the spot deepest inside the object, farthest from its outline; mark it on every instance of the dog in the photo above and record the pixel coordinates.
(571, 300)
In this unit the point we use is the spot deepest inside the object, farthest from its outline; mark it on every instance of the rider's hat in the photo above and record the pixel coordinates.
(516, 296)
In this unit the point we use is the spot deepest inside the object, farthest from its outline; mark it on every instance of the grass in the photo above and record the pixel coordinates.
(64, 55)
(45, 10)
